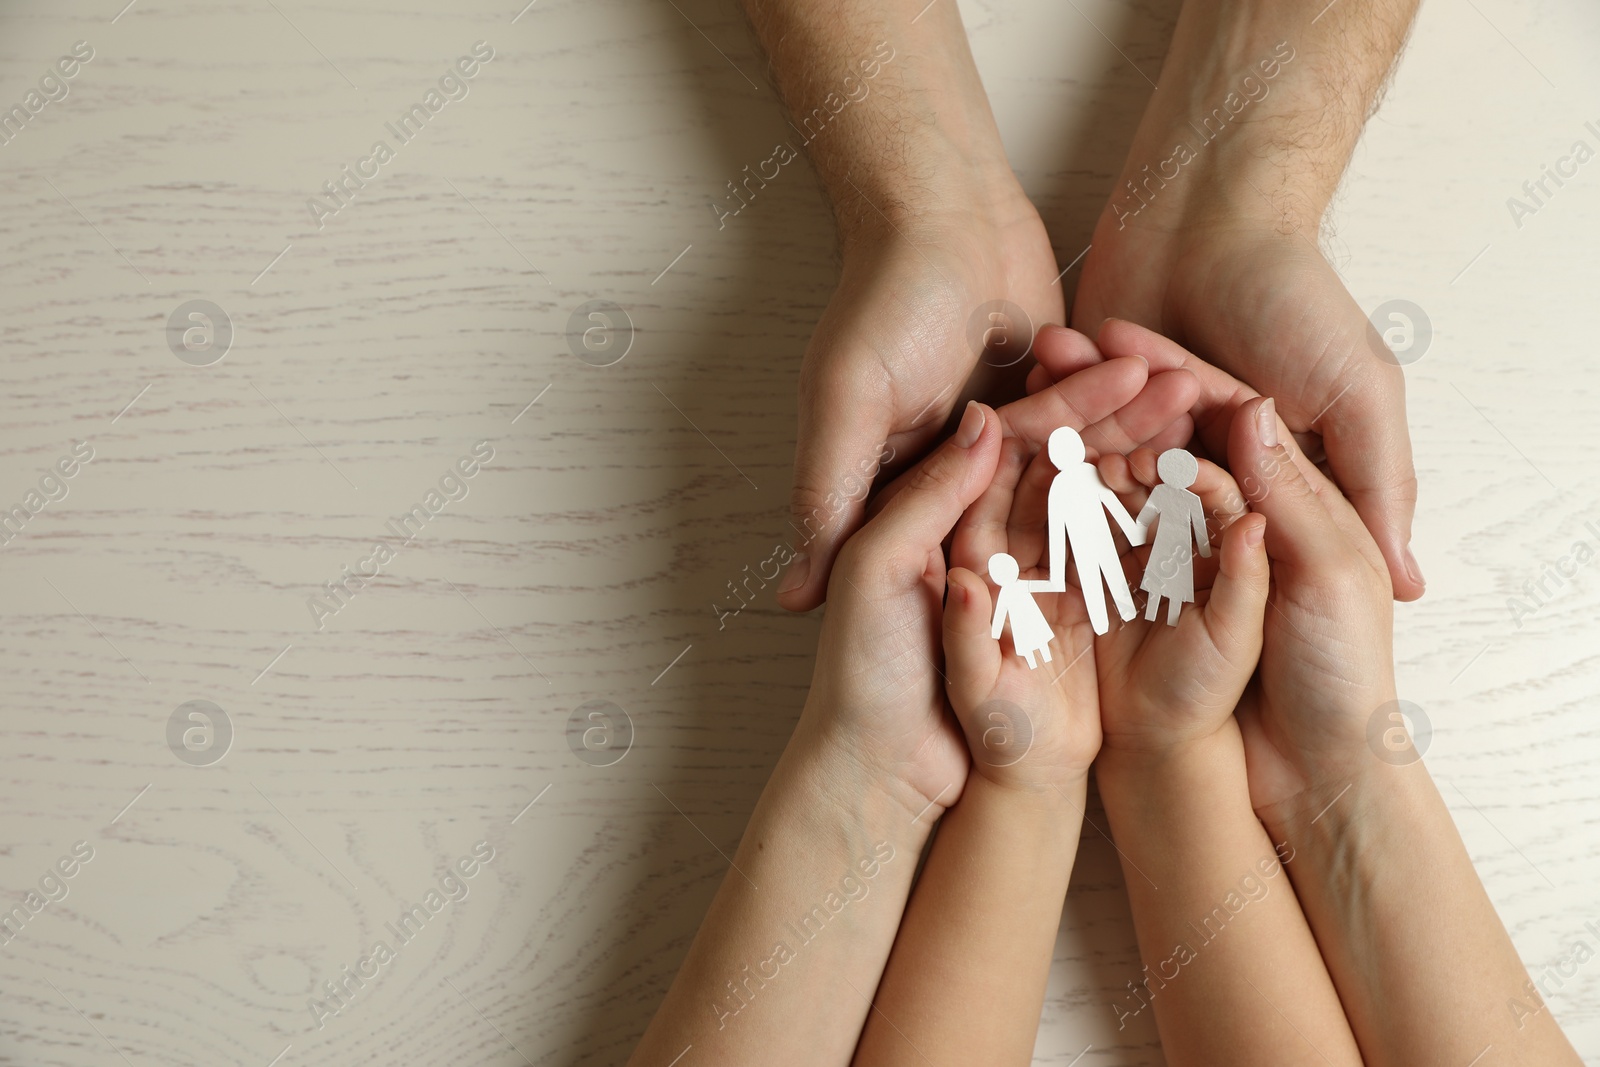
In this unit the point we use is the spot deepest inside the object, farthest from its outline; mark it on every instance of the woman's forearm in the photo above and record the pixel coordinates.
(795, 941)
(1423, 964)
(1231, 971)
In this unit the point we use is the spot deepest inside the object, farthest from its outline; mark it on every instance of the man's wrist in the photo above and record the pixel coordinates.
(1259, 108)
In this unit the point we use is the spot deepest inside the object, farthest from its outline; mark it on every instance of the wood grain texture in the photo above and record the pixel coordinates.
(588, 553)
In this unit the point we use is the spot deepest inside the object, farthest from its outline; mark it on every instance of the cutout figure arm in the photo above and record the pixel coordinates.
(1202, 539)
(1134, 531)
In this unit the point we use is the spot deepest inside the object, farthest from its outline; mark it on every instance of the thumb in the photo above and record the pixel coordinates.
(1369, 452)
(893, 549)
(971, 656)
(1234, 613)
(836, 458)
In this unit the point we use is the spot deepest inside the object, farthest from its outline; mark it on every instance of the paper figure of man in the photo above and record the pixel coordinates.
(1177, 511)
(1030, 630)
(1077, 509)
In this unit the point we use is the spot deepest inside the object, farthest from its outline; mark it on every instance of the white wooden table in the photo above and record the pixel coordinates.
(429, 313)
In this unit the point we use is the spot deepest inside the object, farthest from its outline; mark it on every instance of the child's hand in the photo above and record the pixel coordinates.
(1031, 729)
(1163, 685)
(1327, 661)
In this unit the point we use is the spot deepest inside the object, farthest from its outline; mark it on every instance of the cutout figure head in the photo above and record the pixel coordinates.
(1003, 569)
(1066, 447)
(1178, 468)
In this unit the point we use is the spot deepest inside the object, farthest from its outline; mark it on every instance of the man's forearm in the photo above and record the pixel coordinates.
(884, 97)
(1423, 964)
(795, 940)
(1231, 969)
(1260, 105)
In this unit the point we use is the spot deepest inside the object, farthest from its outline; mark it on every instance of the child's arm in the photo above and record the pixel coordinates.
(966, 980)
(1425, 968)
(1231, 971)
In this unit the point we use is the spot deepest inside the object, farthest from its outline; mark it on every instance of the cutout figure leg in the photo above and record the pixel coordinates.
(1152, 606)
(1094, 597)
(1117, 582)
(1174, 605)
(1029, 657)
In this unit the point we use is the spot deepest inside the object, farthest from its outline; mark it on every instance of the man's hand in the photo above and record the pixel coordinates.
(892, 357)
(887, 104)
(1210, 235)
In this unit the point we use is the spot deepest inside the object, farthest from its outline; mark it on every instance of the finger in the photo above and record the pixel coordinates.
(1303, 526)
(891, 552)
(1368, 445)
(841, 440)
(1234, 612)
(1220, 496)
(982, 530)
(1220, 393)
(1079, 401)
(1060, 352)
(1165, 399)
(1027, 528)
(971, 656)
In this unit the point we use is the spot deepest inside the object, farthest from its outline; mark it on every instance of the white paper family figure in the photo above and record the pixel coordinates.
(1076, 514)
(1030, 630)
(1176, 511)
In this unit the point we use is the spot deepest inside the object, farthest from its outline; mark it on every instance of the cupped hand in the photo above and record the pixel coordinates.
(1033, 728)
(1327, 656)
(876, 694)
(1163, 685)
(893, 354)
(1259, 300)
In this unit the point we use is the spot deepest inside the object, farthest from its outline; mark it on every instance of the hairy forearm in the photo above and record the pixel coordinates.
(1267, 99)
(796, 938)
(966, 981)
(884, 97)
(1426, 970)
(1222, 936)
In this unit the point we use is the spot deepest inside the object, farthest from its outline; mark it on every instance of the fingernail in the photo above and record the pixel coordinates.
(1412, 569)
(971, 426)
(1255, 535)
(796, 575)
(1267, 423)
(958, 593)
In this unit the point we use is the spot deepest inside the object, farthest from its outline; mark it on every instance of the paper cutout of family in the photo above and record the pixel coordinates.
(1076, 514)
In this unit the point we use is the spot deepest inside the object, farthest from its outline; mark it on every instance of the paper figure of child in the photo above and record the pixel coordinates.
(1030, 630)
(1076, 512)
(1170, 570)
